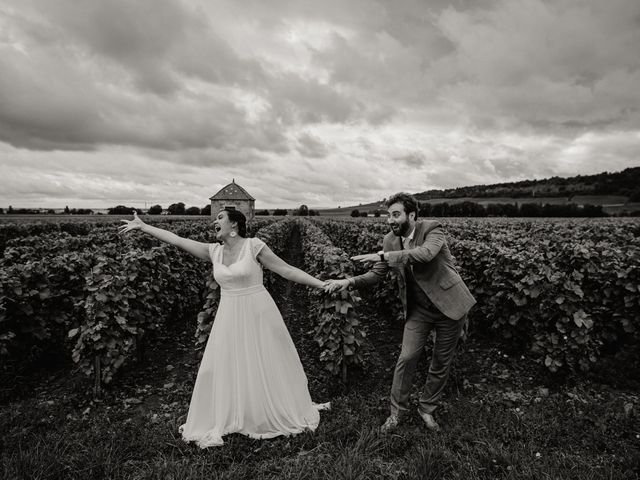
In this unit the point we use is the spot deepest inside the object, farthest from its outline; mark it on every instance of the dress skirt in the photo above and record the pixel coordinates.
(250, 380)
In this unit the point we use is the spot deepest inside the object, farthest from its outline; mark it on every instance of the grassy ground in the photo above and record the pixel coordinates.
(501, 419)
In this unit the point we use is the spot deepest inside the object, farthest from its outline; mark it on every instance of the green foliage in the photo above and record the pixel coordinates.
(176, 209)
(338, 330)
(155, 210)
(126, 296)
(118, 210)
(564, 291)
(473, 209)
(100, 290)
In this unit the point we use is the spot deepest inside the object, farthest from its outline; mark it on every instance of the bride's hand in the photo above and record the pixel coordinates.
(135, 224)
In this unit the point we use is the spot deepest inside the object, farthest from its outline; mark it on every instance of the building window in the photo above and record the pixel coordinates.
(229, 207)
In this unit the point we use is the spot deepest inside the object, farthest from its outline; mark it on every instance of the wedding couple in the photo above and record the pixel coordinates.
(251, 380)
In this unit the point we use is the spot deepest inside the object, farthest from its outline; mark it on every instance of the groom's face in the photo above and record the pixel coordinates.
(399, 221)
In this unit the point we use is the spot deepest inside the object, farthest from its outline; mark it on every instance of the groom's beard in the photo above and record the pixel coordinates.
(400, 229)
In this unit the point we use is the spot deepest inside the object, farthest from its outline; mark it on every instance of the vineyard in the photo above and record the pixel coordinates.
(561, 294)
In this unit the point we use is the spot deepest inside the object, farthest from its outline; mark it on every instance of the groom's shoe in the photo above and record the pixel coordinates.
(430, 422)
(390, 424)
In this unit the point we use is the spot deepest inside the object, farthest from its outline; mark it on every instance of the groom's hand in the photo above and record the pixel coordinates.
(331, 286)
(368, 258)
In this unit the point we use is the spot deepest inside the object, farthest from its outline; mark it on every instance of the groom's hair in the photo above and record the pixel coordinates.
(408, 201)
(238, 217)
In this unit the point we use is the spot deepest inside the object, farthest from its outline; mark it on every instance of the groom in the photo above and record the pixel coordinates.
(433, 295)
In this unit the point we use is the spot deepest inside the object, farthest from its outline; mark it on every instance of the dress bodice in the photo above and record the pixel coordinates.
(245, 272)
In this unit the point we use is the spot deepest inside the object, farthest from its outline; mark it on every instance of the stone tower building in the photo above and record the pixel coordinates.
(233, 196)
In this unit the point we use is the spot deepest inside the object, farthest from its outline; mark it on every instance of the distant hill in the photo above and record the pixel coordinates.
(625, 183)
(616, 192)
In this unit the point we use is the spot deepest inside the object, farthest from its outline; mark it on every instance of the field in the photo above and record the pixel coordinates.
(545, 385)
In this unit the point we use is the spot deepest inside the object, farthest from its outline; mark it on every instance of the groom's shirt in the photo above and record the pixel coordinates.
(404, 241)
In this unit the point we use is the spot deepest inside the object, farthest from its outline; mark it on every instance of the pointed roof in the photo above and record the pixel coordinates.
(233, 191)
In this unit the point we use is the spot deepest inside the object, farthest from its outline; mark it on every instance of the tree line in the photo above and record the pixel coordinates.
(301, 211)
(473, 209)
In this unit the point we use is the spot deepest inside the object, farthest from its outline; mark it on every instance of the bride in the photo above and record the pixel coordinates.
(250, 379)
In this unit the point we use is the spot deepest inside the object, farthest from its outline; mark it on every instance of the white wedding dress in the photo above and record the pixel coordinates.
(250, 380)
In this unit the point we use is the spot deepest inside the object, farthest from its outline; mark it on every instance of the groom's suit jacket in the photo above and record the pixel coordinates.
(432, 264)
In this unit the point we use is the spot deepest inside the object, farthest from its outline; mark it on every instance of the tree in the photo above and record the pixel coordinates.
(176, 209)
(66, 209)
(314, 213)
(279, 212)
(303, 211)
(206, 210)
(364, 214)
(10, 209)
(502, 210)
(81, 211)
(530, 210)
(424, 210)
(155, 210)
(1, 210)
(122, 210)
(440, 209)
(262, 212)
(593, 211)
(355, 213)
(192, 211)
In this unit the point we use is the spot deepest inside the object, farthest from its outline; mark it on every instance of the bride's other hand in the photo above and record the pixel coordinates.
(135, 224)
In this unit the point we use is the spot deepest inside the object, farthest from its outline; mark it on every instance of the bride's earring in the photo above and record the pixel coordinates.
(233, 234)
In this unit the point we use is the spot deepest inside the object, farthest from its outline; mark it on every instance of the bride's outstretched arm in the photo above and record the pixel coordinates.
(274, 263)
(198, 249)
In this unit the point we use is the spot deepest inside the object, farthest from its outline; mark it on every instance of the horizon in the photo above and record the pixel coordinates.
(147, 206)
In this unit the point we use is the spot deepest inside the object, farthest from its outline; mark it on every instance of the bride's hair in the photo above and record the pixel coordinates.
(238, 217)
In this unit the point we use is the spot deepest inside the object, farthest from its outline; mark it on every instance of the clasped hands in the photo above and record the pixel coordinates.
(333, 285)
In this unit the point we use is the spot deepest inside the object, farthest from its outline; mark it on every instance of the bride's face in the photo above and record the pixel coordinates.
(222, 225)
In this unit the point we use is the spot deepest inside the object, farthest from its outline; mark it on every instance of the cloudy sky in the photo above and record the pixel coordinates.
(332, 102)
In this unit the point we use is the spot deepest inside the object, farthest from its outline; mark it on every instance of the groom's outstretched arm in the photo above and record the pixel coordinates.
(422, 253)
(378, 272)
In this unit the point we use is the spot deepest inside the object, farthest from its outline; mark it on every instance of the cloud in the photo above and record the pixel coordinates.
(310, 146)
(330, 102)
(567, 65)
(413, 159)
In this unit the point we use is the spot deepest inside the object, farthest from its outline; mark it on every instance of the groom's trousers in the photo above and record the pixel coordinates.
(422, 318)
